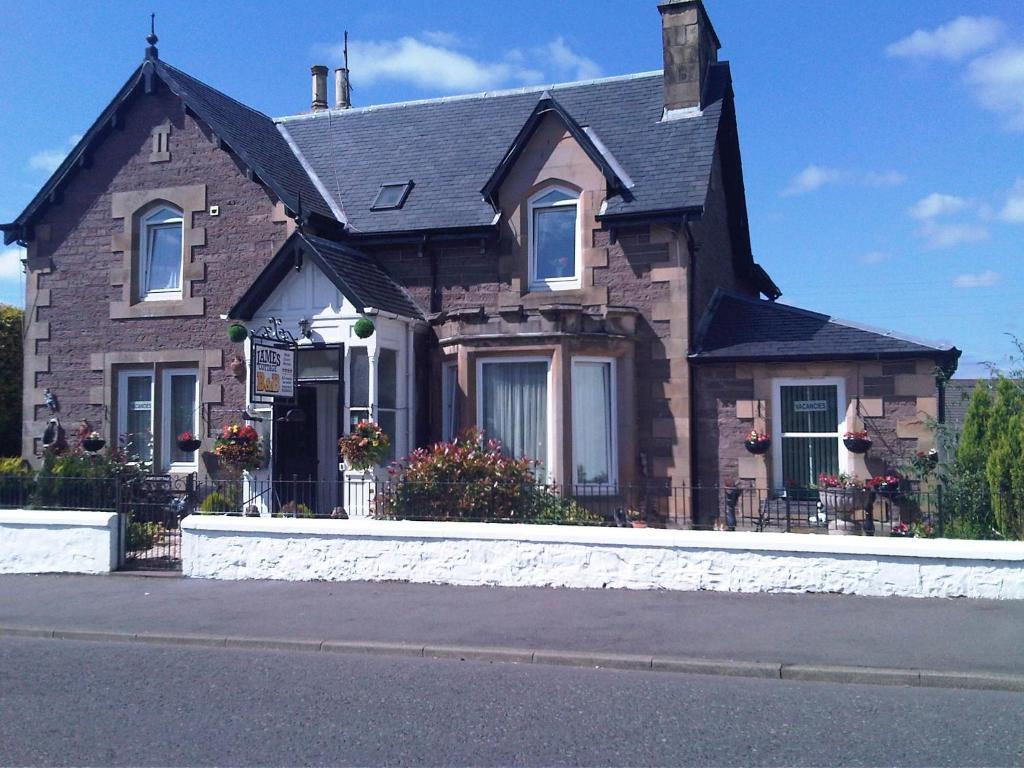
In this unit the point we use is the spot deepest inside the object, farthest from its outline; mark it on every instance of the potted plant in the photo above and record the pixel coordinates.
(93, 442)
(188, 442)
(239, 447)
(636, 518)
(857, 442)
(842, 493)
(885, 485)
(757, 442)
(364, 447)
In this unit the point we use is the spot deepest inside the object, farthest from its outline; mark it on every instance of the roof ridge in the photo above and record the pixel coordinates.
(469, 96)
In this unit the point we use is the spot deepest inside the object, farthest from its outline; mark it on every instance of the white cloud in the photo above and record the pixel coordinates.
(567, 62)
(10, 264)
(49, 159)
(954, 41)
(938, 236)
(431, 62)
(998, 80)
(811, 178)
(874, 257)
(937, 204)
(814, 177)
(1013, 210)
(985, 279)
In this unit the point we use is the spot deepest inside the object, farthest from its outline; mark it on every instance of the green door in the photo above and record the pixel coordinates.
(810, 435)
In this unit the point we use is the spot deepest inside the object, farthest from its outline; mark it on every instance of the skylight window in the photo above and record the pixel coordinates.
(391, 196)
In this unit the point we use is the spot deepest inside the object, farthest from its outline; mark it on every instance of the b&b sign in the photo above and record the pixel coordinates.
(273, 370)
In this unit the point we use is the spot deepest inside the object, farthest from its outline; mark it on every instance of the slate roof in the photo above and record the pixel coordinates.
(451, 147)
(737, 328)
(358, 276)
(958, 396)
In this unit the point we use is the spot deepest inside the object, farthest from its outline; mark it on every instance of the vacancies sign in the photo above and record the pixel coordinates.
(272, 372)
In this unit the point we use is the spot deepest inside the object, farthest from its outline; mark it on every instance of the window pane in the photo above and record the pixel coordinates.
(515, 407)
(164, 272)
(388, 422)
(387, 379)
(359, 378)
(183, 413)
(139, 421)
(318, 365)
(355, 415)
(809, 408)
(449, 413)
(592, 431)
(552, 197)
(555, 243)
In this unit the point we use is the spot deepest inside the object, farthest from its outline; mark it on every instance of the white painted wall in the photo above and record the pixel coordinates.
(48, 541)
(568, 556)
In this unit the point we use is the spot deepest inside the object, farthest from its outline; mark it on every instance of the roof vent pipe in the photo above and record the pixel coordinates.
(319, 72)
(342, 100)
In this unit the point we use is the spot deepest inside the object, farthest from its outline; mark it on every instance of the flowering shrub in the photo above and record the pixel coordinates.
(884, 483)
(365, 446)
(75, 479)
(239, 447)
(842, 480)
(471, 479)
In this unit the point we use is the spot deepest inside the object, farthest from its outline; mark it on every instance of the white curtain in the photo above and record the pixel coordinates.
(592, 421)
(515, 407)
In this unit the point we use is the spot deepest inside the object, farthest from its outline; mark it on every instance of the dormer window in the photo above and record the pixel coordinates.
(391, 196)
(160, 255)
(554, 240)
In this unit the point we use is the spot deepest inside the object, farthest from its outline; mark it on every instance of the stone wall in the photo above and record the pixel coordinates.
(595, 558)
(76, 277)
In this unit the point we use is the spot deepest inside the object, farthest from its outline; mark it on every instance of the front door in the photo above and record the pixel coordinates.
(809, 423)
(295, 454)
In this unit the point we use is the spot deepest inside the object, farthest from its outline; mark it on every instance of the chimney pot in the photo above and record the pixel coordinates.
(690, 46)
(319, 72)
(342, 99)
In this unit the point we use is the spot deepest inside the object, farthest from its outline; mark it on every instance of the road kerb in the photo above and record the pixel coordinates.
(986, 681)
(25, 632)
(209, 641)
(272, 644)
(827, 673)
(768, 670)
(469, 653)
(93, 636)
(382, 648)
(584, 659)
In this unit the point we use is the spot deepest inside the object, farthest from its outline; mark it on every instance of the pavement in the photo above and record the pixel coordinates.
(835, 638)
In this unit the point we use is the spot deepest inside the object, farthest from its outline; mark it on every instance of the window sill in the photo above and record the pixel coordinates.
(122, 310)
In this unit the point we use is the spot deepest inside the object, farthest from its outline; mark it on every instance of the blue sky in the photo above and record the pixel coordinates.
(883, 142)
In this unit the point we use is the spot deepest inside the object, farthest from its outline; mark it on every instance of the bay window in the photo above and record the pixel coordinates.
(593, 422)
(160, 255)
(449, 409)
(554, 239)
(512, 406)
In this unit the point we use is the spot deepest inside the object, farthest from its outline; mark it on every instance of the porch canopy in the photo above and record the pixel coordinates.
(357, 275)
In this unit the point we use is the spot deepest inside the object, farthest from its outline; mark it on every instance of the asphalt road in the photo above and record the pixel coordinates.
(965, 635)
(73, 703)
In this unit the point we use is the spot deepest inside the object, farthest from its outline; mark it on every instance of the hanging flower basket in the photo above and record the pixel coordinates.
(239, 447)
(885, 485)
(237, 333)
(365, 446)
(757, 442)
(857, 442)
(363, 327)
(93, 442)
(188, 443)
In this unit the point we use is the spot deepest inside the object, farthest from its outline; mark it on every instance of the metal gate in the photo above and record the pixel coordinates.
(151, 511)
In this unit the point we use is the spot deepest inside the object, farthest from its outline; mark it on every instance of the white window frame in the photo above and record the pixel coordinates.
(554, 283)
(122, 402)
(166, 435)
(371, 385)
(550, 472)
(840, 384)
(147, 228)
(613, 474)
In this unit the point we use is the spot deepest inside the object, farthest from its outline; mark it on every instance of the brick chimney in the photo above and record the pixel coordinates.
(690, 44)
(319, 72)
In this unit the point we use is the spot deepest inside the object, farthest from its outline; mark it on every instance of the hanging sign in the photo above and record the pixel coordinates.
(810, 406)
(271, 370)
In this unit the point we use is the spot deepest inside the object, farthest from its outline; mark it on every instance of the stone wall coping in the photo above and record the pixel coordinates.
(71, 518)
(780, 543)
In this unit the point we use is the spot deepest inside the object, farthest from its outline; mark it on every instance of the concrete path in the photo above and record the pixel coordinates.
(800, 634)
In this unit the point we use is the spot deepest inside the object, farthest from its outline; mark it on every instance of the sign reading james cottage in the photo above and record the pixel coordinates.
(272, 377)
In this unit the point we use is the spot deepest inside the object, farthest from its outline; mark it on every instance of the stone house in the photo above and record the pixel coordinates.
(568, 267)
